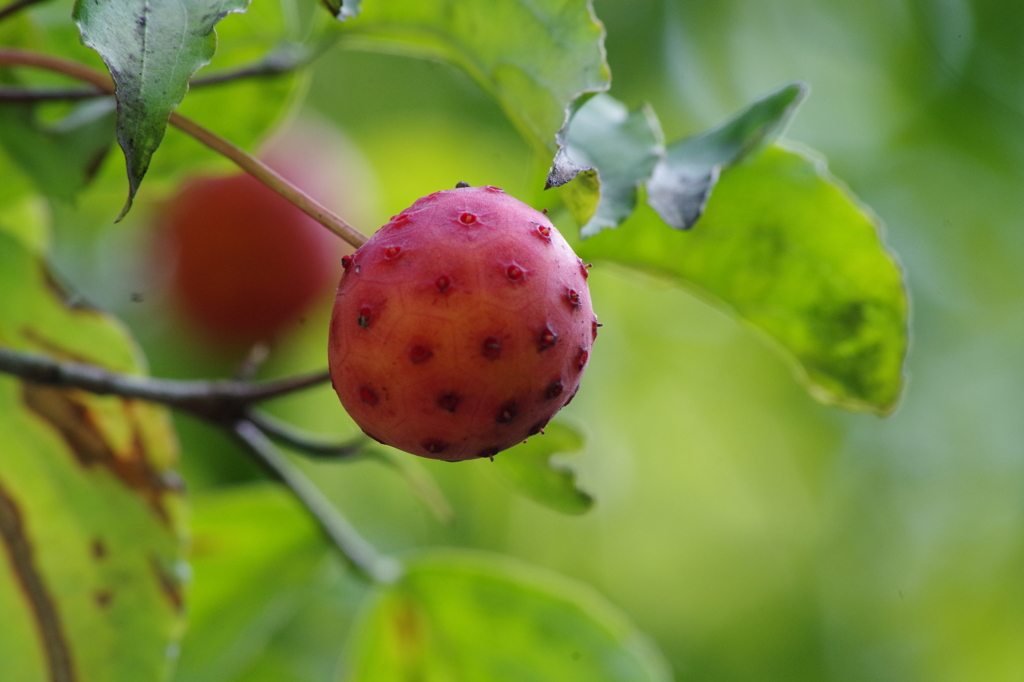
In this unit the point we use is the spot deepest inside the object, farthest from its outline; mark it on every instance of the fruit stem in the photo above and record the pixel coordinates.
(248, 163)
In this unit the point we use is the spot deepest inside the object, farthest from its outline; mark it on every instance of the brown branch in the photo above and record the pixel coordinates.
(248, 163)
(216, 401)
(307, 443)
(274, 64)
(354, 549)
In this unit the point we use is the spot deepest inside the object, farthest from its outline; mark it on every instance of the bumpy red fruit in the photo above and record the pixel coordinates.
(461, 327)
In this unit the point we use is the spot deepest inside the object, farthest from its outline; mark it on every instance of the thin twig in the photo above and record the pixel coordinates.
(272, 65)
(16, 6)
(213, 400)
(355, 550)
(308, 443)
(248, 163)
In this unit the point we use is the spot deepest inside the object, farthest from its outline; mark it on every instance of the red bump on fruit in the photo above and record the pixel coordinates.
(507, 412)
(364, 317)
(491, 348)
(467, 218)
(553, 390)
(514, 273)
(581, 359)
(346, 262)
(448, 402)
(472, 364)
(546, 339)
(392, 252)
(368, 396)
(434, 446)
(593, 328)
(419, 354)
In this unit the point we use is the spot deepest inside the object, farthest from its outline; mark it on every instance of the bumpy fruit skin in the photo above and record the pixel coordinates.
(461, 327)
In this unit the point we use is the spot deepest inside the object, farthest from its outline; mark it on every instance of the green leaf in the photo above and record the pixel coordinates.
(261, 569)
(343, 9)
(61, 158)
(786, 247)
(681, 184)
(91, 523)
(535, 57)
(529, 467)
(479, 618)
(622, 146)
(151, 49)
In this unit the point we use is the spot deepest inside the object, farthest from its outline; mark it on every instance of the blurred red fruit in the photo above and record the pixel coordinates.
(245, 264)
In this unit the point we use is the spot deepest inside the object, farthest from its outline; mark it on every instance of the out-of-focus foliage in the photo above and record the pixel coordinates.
(429, 624)
(61, 158)
(261, 572)
(91, 524)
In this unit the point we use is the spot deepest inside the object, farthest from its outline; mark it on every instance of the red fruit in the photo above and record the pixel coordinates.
(245, 263)
(461, 327)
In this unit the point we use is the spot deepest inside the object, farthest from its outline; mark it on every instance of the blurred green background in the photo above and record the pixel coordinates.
(752, 533)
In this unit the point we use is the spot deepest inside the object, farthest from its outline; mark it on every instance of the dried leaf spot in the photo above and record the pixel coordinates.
(420, 354)
(546, 339)
(364, 317)
(448, 401)
(553, 390)
(368, 396)
(434, 446)
(507, 412)
(491, 348)
(103, 598)
(99, 549)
